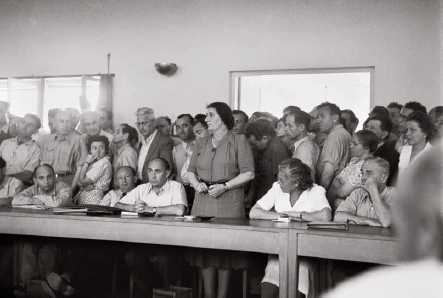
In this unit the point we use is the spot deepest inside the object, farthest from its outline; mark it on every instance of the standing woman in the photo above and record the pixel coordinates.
(419, 132)
(221, 163)
(96, 172)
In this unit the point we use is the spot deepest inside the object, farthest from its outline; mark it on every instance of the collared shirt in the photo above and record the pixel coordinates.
(125, 156)
(5, 128)
(65, 153)
(10, 187)
(359, 202)
(19, 158)
(405, 157)
(308, 152)
(112, 198)
(335, 150)
(179, 156)
(100, 172)
(60, 196)
(143, 152)
(171, 194)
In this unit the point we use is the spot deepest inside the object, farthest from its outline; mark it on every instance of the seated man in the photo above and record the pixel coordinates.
(419, 221)
(159, 196)
(125, 179)
(368, 205)
(9, 186)
(21, 154)
(41, 258)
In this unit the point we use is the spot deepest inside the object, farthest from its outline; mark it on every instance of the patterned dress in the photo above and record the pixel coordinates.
(100, 172)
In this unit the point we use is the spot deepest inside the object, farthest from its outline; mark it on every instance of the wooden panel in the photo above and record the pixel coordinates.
(349, 248)
(217, 237)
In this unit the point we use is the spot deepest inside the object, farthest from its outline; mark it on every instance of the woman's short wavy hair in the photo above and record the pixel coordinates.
(102, 139)
(368, 139)
(298, 172)
(424, 122)
(225, 113)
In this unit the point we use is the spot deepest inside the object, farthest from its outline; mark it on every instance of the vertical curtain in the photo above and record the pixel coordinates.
(106, 94)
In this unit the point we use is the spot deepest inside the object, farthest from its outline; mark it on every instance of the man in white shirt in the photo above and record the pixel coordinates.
(160, 196)
(184, 126)
(153, 144)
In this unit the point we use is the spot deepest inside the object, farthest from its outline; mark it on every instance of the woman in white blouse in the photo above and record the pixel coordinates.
(295, 195)
(419, 132)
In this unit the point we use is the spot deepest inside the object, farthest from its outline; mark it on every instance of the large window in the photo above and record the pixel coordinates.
(271, 91)
(39, 95)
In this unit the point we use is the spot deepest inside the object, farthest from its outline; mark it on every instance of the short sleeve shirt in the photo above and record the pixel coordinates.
(335, 150)
(10, 187)
(19, 158)
(308, 152)
(172, 193)
(100, 173)
(64, 153)
(231, 156)
(125, 156)
(311, 200)
(359, 202)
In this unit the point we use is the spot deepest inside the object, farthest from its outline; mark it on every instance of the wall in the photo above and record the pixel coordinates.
(207, 39)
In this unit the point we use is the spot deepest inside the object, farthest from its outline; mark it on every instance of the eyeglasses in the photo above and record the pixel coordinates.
(284, 181)
(401, 117)
(144, 123)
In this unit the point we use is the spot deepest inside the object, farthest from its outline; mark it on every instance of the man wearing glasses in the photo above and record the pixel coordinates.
(153, 144)
(407, 109)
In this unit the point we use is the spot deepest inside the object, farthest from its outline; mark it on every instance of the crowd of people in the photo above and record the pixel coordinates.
(311, 166)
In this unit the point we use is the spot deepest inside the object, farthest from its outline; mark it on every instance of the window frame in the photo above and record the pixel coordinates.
(235, 79)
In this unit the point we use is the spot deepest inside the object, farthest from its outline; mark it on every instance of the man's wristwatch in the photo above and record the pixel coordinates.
(154, 210)
(225, 187)
(301, 214)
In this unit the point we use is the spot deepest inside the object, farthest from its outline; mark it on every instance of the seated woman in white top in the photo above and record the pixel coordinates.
(296, 195)
(419, 132)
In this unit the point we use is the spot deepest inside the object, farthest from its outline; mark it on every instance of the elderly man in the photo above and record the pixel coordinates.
(125, 177)
(271, 151)
(303, 148)
(21, 154)
(75, 114)
(336, 152)
(153, 144)
(369, 205)
(240, 120)
(160, 196)
(184, 127)
(64, 150)
(382, 126)
(105, 117)
(418, 217)
(90, 122)
(40, 258)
